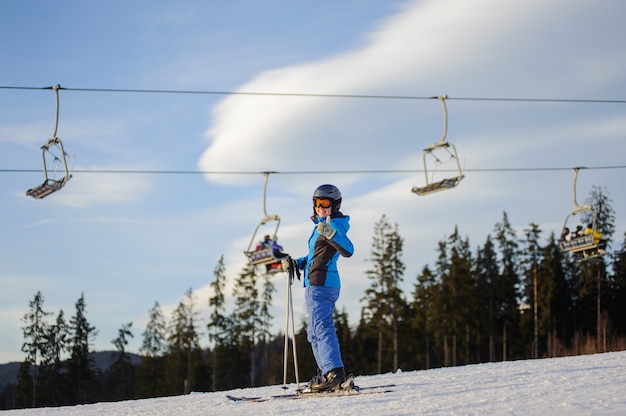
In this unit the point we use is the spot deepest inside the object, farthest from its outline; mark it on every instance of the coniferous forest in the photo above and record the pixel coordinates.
(514, 296)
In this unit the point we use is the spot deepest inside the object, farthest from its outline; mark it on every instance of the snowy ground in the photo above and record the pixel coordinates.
(583, 385)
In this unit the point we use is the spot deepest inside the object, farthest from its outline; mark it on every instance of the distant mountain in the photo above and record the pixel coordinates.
(102, 361)
(8, 373)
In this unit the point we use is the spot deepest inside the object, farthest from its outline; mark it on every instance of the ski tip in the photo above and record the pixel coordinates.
(243, 399)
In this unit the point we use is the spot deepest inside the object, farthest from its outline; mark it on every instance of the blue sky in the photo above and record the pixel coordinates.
(126, 240)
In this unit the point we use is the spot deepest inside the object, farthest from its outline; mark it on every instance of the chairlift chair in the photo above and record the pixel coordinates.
(54, 150)
(51, 185)
(271, 257)
(271, 254)
(431, 152)
(586, 246)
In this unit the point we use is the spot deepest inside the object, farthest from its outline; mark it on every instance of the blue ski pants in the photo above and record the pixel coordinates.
(321, 332)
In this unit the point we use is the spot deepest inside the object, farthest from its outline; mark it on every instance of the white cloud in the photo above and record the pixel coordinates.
(480, 48)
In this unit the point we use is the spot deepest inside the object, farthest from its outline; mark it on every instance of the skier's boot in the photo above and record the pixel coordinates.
(317, 379)
(348, 384)
(330, 381)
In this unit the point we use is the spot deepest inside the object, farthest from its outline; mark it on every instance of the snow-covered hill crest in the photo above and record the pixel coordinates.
(582, 385)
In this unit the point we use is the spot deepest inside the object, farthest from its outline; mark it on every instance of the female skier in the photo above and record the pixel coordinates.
(327, 242)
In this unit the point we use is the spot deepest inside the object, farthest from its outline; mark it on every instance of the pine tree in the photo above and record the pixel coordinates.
(122, 383)
(35, 337)
(603, 215)
(616, 302)
(23, 397)
(487, 275)
(454, 300)
(423, 299)
(593, 274)
(57, 338)
(151, 373)
(53, 373)
(385, 304)
(154, 335)
(441, 304)
(555, 299)
(81, 371)
(218, 322)
(507, 290)
(246, 317)
(462, 298)
(531, 259)
(184, 343)
(265, 321)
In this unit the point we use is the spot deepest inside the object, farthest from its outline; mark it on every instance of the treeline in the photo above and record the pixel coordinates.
(516, 296)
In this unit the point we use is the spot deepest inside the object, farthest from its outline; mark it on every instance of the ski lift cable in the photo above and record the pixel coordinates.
(311, 172)
(325, 95)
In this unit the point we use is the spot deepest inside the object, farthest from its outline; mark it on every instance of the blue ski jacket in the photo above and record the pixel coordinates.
(320, 265)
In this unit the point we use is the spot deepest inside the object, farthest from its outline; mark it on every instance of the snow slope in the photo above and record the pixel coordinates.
(582, 385)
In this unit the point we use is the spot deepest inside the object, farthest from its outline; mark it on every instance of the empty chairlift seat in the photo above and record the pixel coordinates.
(54, 179)
(53, 149)
(432, 156)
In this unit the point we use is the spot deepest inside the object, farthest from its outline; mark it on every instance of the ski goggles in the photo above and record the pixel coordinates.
(321, 203)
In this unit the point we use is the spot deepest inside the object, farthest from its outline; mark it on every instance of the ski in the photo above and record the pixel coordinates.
(349, 392)
(302, 395)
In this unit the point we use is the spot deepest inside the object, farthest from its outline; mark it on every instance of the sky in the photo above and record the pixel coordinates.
(345, 94)
(581, 385)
